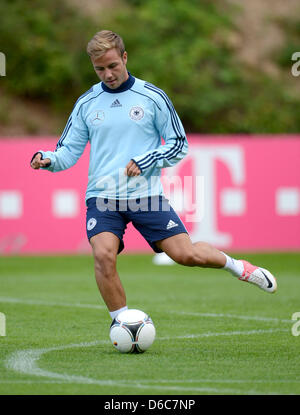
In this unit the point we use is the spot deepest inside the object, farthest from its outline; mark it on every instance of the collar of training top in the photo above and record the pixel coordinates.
(123, 87)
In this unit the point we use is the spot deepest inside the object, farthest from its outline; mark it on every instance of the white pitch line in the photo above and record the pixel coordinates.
(9, 381)
(229, 381)
(25, 362)
(102, 307)
(226, 333)
(233, 381)
(256, 318)
(49, 303)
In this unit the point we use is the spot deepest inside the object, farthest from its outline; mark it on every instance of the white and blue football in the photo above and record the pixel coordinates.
(132, 331)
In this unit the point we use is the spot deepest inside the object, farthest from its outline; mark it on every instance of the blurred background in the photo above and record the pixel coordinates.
(227, 66)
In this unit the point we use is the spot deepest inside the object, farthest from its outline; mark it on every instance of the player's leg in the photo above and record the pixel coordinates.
(181, 249)
(105, 228)
(105, 247)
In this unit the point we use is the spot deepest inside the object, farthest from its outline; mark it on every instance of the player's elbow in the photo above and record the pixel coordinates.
(185, 147)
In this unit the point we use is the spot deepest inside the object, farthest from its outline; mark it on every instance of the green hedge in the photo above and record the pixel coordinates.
(44, 42)
(181, 46)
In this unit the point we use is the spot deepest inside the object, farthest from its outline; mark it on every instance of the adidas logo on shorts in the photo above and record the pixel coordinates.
(171, 224)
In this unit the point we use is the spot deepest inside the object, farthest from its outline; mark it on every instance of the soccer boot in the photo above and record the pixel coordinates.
(259, 276)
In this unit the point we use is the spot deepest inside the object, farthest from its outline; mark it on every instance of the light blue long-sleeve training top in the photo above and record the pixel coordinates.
(122, 124)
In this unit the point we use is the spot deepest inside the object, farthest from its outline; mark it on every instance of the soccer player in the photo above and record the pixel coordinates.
(124, 119)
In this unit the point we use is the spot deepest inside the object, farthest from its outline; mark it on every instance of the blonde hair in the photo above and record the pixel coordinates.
(103, 41)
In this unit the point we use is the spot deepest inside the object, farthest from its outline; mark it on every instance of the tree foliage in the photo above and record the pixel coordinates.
(183, 48)
(44, 43)
(180, 46)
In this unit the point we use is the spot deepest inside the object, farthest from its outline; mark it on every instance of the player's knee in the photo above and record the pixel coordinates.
(105, 260)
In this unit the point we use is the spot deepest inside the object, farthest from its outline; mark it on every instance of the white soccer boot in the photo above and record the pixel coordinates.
(259, 276)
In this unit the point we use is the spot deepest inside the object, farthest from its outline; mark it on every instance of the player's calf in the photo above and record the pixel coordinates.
(199, 255)
(187, 258)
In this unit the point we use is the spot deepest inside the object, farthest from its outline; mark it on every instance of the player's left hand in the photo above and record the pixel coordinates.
(132, 169)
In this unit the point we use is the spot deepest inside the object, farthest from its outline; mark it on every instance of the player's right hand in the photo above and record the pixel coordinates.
(37, 161)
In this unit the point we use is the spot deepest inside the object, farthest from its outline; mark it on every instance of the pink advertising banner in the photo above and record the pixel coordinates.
(238, 193)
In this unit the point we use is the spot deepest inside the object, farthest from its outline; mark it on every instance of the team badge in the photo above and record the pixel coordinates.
(97, 117)
(91, 224)
(136, 113)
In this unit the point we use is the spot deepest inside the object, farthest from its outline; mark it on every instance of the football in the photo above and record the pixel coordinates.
(132, 331)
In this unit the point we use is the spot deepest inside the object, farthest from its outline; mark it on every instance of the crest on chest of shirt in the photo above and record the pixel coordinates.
(96, 117)
(136, 113)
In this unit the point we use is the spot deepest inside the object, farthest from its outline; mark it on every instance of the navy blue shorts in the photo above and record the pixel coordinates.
(153, 217)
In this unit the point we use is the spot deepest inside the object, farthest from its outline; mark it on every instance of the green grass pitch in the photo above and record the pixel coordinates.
(215, 334)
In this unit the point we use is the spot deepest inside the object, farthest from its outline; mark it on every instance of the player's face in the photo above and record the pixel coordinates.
(111, 68)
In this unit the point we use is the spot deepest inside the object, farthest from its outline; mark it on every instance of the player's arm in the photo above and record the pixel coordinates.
(171, 129)
(69, 147)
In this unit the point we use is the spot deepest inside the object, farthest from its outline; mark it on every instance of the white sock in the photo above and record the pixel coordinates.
(234, 266)
(114, 314)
